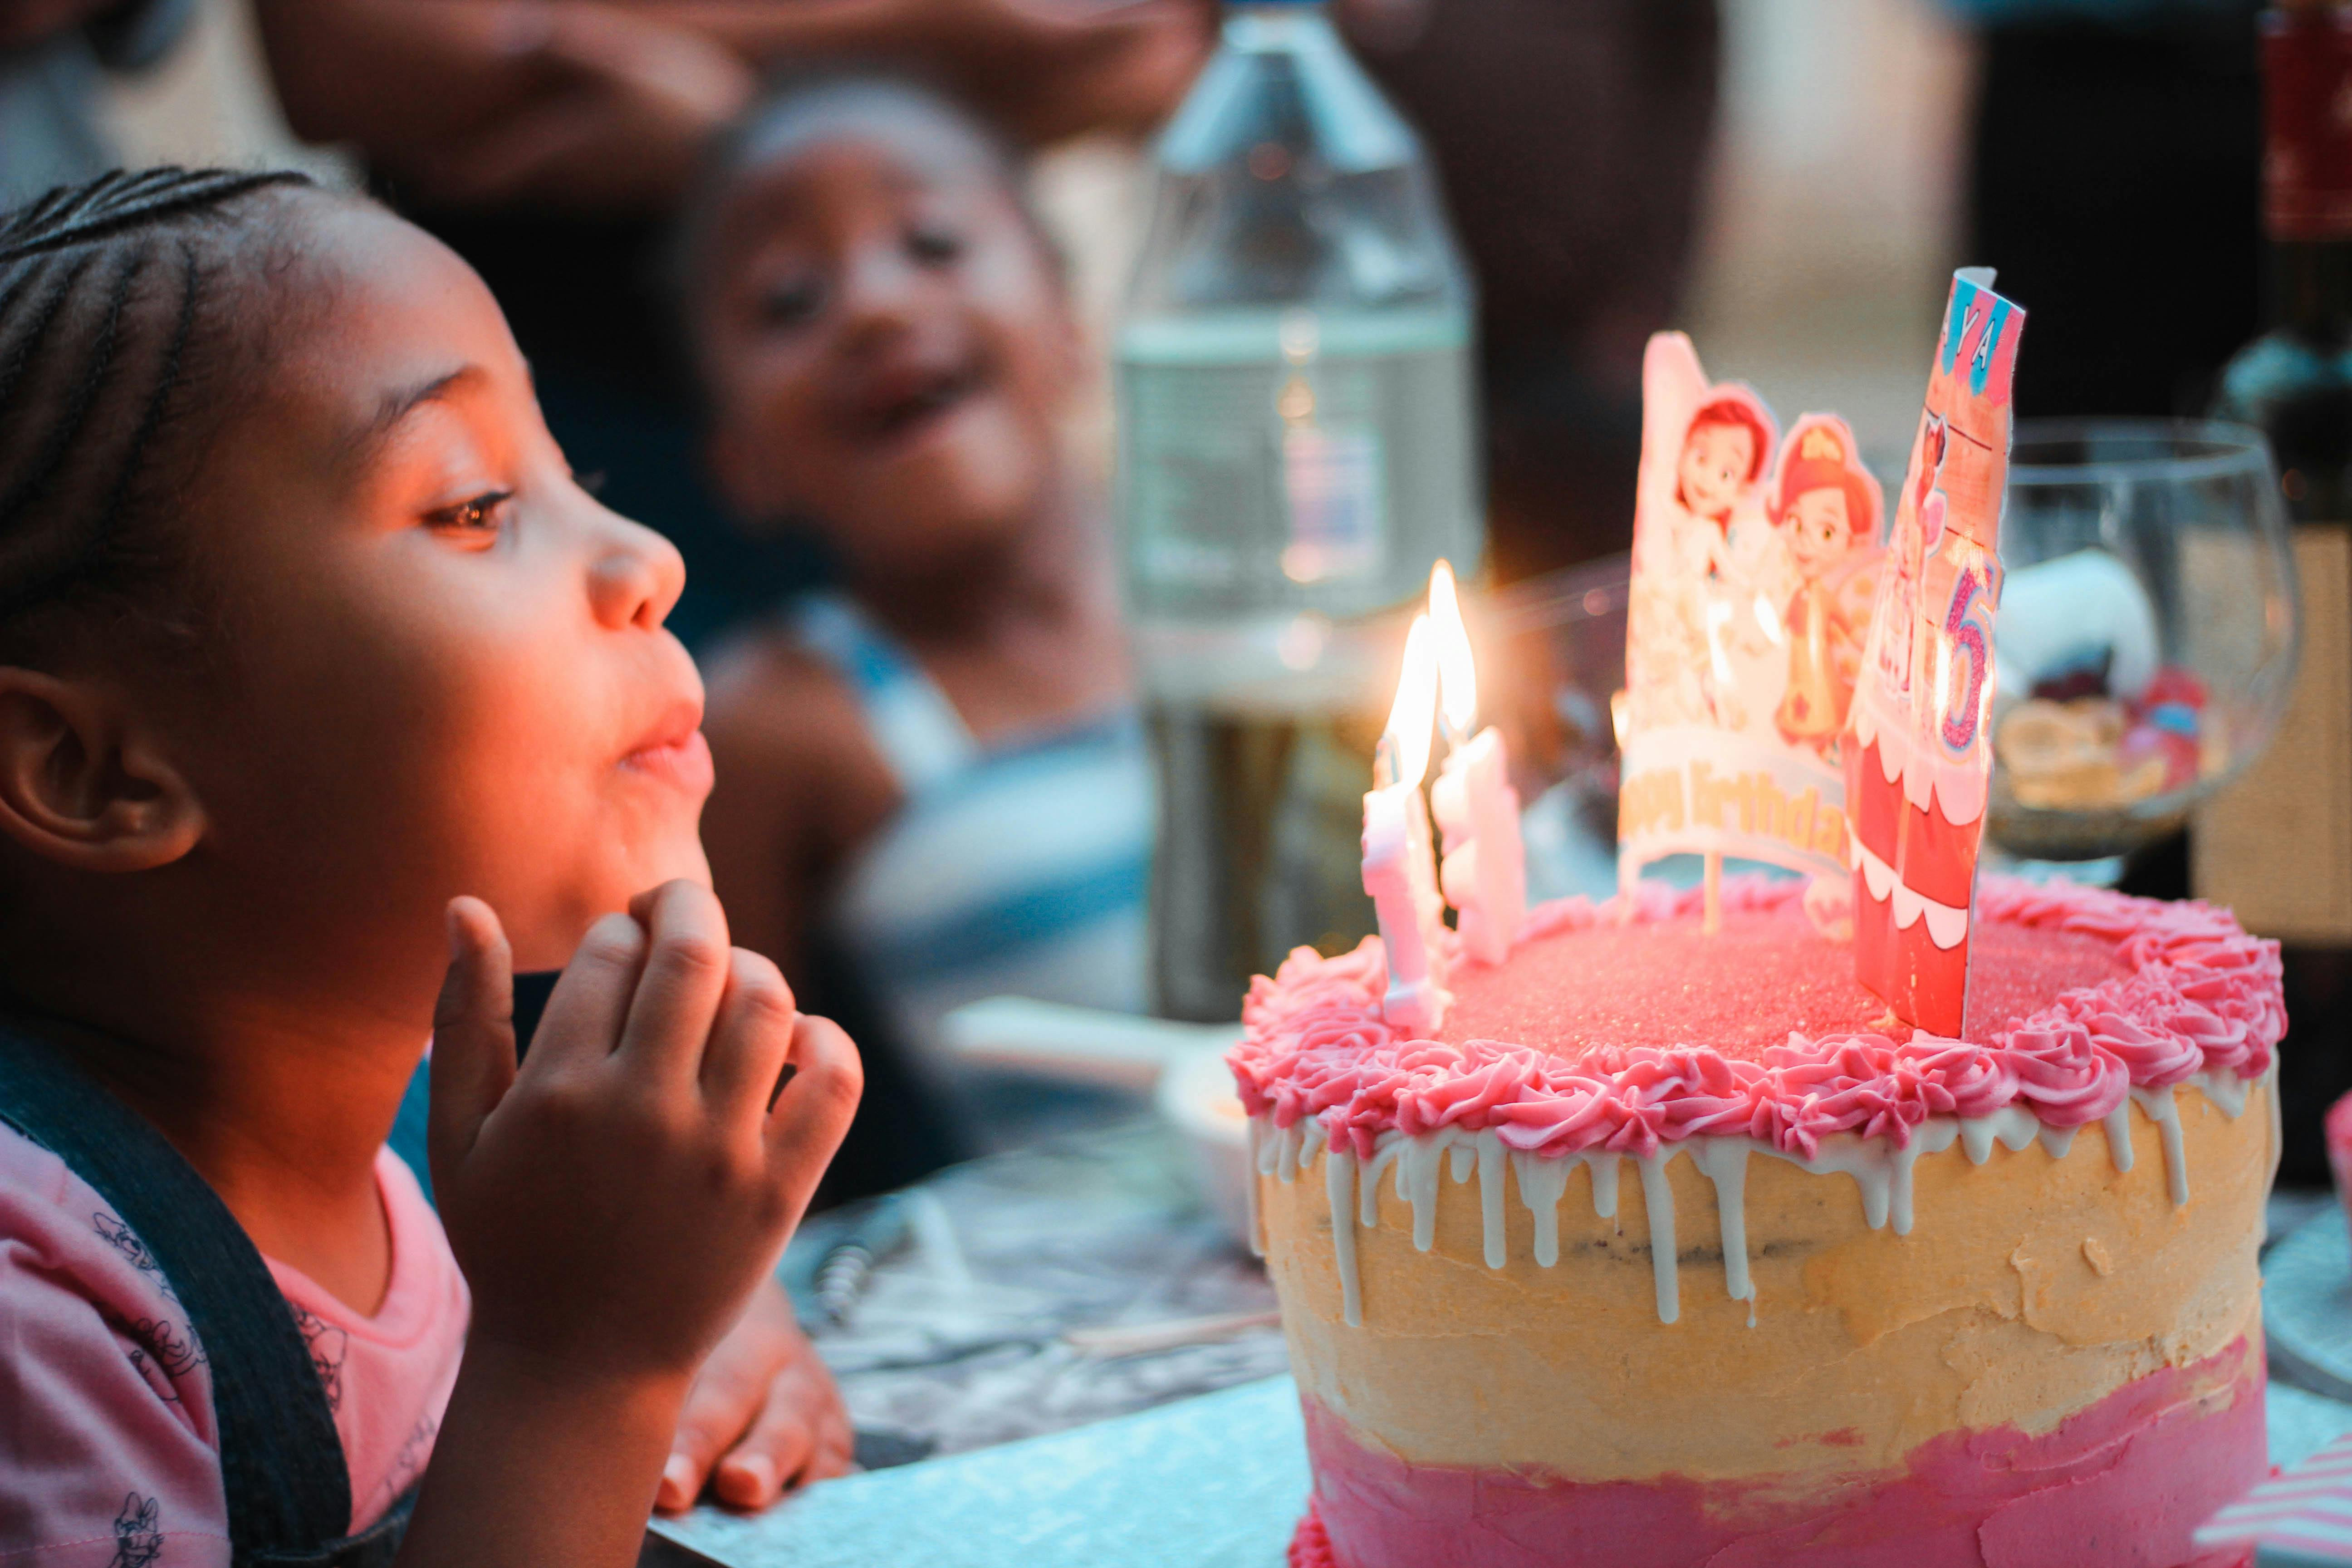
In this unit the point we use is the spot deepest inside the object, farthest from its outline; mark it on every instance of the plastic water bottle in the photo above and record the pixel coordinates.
(1296, 447)
(1295, 405)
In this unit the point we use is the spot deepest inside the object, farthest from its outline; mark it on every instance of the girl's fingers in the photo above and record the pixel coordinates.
(837, 1449)
(590, 999)
(806, 1123)
(473, 1034)
(778, 1451)
(687, 961)
(750, 1041)
(728, 1395)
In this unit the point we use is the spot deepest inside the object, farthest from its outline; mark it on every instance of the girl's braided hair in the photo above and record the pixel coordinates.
(113, 314)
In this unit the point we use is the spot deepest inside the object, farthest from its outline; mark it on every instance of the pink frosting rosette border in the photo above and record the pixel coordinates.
(2202, 995)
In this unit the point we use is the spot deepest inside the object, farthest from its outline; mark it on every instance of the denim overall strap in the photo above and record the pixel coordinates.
(282, 1468)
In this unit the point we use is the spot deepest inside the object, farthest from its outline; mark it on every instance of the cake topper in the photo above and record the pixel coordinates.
(1918, 759)
(1755, 567)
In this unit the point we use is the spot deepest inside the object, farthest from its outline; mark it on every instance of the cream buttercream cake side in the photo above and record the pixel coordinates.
(1563, 1287)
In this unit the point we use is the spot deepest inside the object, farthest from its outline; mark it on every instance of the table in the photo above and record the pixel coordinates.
(981, 1343)
(1022, 1279)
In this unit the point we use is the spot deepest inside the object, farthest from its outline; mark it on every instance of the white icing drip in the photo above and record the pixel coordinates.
(1417, 1184)
(2161, 1108)
(2227, 1090)
(1340, 1187)
(1257, 1168)
(1857, 1157)
(2120, 1144)
(1542, 1185)
(1382, 1158)
(2012, 1127)
(1658, 1198)
(1723, 1161)
(1490, 1198)
(2278, 1132)
(1604, 1183)
(1881, 1174)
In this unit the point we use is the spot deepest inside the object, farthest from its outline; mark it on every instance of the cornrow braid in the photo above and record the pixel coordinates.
(107, 290)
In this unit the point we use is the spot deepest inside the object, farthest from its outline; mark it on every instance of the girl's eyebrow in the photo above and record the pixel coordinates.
(397, 405)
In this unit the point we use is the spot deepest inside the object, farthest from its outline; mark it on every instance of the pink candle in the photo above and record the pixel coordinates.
(1398, 864)
(1484, 873)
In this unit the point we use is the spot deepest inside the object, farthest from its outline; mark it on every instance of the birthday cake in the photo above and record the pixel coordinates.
(1668, 1249)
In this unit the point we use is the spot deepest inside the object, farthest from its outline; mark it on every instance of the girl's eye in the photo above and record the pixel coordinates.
(791, 302)
(932, 245)
(483, 514)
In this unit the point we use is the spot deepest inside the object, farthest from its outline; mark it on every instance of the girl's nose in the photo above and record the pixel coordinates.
(635, 578)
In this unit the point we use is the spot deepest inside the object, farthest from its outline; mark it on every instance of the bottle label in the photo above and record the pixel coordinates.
(2275, 846)
(1331, 479)
(2308, 123)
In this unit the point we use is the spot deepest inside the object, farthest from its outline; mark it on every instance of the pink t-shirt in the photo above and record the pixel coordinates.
(109, 1457)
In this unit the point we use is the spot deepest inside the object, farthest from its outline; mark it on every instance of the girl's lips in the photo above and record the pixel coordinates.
(685, 763)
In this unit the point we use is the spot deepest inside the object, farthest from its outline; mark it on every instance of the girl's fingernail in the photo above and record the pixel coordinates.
(677, 1481)
(754, 1474)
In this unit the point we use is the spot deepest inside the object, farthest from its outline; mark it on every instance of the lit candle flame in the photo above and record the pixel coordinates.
(1405, 744)
(1458, 673)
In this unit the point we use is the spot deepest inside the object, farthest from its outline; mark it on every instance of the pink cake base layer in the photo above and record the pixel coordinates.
(2120, 1484)
(2131, 992)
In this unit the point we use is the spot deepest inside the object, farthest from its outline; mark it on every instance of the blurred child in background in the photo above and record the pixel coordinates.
(937, 765)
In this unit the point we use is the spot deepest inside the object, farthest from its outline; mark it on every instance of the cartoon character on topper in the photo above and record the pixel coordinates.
(1826, 506)
(1723, 452)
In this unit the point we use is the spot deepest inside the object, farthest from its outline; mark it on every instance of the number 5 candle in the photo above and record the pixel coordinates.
(1398, 866)
(1484, 873)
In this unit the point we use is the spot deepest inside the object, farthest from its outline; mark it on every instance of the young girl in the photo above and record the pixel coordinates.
(941, 763)
(324, 689)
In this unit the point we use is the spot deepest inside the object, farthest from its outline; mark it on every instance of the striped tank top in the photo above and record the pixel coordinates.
(1015, 867)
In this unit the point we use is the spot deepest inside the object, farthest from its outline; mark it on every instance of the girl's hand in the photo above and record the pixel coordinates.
(615, 1202)
(763, 1418)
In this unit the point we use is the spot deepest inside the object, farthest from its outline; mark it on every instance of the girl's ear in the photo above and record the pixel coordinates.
(84, 786)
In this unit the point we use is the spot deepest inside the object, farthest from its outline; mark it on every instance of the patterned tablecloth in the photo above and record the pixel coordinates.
(1001, 1338)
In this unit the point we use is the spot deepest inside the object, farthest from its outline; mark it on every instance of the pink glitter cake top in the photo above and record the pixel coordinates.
(1603, 1033)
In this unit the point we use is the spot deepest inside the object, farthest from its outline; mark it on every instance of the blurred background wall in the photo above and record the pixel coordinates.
(1833, 212)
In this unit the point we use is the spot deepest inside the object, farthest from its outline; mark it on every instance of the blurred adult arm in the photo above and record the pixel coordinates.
(26, 21)
(127, 34)
(584, 105)
(605, 105)
(1043, 68)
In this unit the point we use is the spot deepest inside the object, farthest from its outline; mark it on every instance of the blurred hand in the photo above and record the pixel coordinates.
(1048, 68)
(615, 1201)
(621, 109)
(592, 105)
(763, 1415)
(23, 22)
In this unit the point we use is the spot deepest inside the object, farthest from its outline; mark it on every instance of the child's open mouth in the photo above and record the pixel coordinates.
(903, 404)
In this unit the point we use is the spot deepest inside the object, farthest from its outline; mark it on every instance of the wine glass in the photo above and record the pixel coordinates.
(1556, 648)
(2146, 635)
